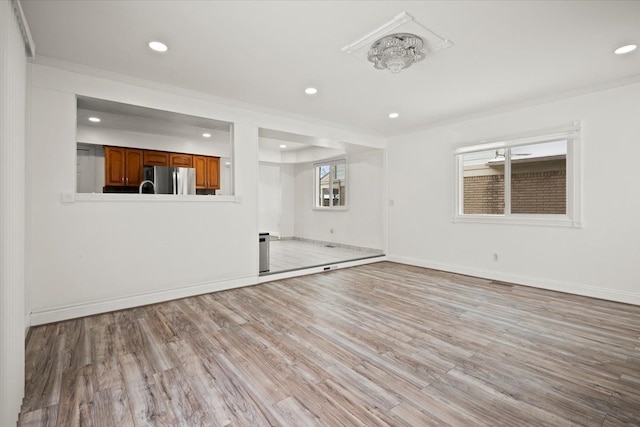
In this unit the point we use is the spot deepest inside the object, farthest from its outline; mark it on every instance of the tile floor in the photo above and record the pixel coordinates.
(289, 255)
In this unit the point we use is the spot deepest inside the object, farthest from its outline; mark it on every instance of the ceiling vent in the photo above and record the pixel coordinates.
(397, 44)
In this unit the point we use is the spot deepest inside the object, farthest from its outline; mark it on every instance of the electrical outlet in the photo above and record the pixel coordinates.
(68, 198)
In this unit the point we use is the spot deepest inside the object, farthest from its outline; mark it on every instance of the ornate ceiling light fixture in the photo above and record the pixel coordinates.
(396, 52)
(397, 44)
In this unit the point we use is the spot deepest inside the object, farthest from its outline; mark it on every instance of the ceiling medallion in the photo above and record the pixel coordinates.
(396, 52)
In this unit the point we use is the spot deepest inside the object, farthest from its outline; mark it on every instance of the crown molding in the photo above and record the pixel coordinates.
(377, 139)
(29, 45)
(547, 99)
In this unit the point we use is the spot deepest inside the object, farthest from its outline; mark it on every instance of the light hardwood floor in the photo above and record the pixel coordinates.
(289, 255)
(381, 344)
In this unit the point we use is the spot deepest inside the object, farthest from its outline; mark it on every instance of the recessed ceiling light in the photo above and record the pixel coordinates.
(283, 146)
(625, 49)
(311, 91)
(394, 115)
(94, 119)
(206, 135)
(158, 46)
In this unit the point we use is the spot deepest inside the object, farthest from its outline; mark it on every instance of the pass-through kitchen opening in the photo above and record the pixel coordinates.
(128, 149)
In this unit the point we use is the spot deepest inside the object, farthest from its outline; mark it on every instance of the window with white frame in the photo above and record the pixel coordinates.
(331, 184)
(531, 179)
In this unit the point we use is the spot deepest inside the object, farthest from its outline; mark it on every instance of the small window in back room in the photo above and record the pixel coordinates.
(331, 184)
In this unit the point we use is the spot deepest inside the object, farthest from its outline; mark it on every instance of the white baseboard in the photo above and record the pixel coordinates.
(535, 282)
(56, 314)
(72, 311)
(320, 269)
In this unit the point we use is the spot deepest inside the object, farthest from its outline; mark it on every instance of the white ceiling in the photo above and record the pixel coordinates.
(265, 52)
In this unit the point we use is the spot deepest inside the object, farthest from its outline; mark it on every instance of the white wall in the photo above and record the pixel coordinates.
(287, 198)
(600, 259)
(13, 87)
(276, 199)
(269, 198)
(90, 168)
(92, 256)
(96, 251)
(362, 224)
(123, 138)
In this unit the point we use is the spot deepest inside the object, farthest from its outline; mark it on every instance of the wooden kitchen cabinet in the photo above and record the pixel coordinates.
(207, 172)
(213, 173)
(123, 166)
(180, 160)
(155, 158)
(114, 165)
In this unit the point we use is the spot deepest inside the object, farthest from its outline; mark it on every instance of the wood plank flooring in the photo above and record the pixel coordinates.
(376, 345)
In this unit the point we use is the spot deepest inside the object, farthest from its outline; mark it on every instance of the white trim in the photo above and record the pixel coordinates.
(387, 201)
(89, 308)
(71, 311)
(68, 197)
(507, 182)
(519, 219)
(553, 97)
(261, 116)
(573, 218)
(331, 161)
(320, 269)
(316, 184)
(391, 26)
(331, 208)
(536, 137)
(29, 45)
(574, 181)
(534, 282)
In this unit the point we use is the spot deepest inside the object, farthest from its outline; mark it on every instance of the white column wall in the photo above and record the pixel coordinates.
(287, 199)
(270, 198)
(276, 198)
(13, 74)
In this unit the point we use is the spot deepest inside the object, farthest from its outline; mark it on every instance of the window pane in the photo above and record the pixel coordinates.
(331, 184)
(325, 198)
(323, 185)
(338, 192)
(483, 189)
(340, 170)
(539, 178)
(339, 183)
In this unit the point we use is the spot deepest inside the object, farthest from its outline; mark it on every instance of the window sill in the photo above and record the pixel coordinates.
(536, 220)
(330, 209)
(115, 197)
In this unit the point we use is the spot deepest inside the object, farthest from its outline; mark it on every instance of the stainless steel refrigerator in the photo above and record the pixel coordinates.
(169, 180)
